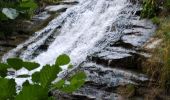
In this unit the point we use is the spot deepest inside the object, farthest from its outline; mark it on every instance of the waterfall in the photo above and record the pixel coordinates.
(102, 37)
(83, 26)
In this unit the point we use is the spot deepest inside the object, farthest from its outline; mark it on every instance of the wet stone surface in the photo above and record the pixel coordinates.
(118, 63)
(114, 62)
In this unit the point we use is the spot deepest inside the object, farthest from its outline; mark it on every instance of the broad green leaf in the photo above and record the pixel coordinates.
(26, 83)
(59, 85)
(47, 75)
(36, 77)
(7, 88)
(76, 82)
(15, 63)
(63, 60)
(51, 98)
(3, 69)
(79, 76)
(33, 92)
(10, 13)
(30, 65)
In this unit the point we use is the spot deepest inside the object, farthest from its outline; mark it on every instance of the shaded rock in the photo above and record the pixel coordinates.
(118, 57)
(102, 83)
(68, 2)
(57, 8)
(120, 43)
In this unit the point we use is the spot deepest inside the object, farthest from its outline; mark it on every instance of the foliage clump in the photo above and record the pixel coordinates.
(42, 82)
(10, 9)
(152, 8)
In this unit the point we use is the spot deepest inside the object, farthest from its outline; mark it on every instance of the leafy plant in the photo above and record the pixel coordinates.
(12, 9)
(41, 81)
(149, 8)
(7, 87)
(167, 4)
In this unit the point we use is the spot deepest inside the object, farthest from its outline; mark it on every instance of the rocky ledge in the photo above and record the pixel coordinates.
(115, 71)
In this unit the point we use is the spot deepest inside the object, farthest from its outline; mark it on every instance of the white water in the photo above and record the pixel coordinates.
(84, 25)
(86, 28)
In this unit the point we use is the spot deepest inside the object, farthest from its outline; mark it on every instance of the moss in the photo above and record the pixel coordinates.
(152, 8)
(148, 8)
(158, 66)
(156, 20)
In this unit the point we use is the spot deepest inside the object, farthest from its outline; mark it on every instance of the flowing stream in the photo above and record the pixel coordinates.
(92, 31)
(83, 26)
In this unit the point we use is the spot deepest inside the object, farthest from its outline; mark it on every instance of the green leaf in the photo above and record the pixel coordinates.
(36, 77)
(59, 84)
(10, 13)
(63, 60)
(33, 92)
(76, 82)
(79, 76)
(15, 63)
(7, 88)
(3, 69)
(47, 75)
(30, 65)
(51, 98)
(26, 83)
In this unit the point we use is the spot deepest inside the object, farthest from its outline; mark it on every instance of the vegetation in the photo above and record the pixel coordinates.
(17, 8)
(152, 8)
(13, 11)
(158, 66)
(42, 82)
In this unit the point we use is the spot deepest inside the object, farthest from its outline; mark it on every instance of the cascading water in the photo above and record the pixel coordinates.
(82, 27)
(96, 34)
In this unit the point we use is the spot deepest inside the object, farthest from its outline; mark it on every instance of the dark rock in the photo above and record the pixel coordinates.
(120, 43)
(8, 45)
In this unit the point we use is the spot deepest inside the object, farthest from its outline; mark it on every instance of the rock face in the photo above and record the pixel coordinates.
(118, 64)
(115, 62)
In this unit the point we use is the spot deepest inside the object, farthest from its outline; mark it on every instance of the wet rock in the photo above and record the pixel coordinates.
(67, 2)
(138, 13)
(151, 44)
(122, 44)
(118, 57)
(139, 34)
(111, 76)
(112, 63)
(103, 83)
(41, 16)
(57, 8)
(88, 92)
(8, 45)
